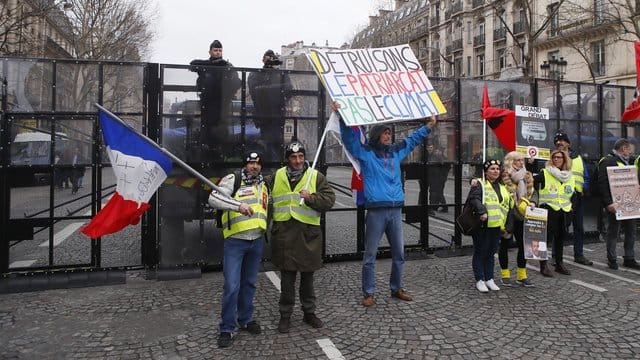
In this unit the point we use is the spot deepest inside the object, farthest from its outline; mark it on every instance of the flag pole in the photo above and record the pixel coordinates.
(315, 159)
(163, 150)
(484, 152)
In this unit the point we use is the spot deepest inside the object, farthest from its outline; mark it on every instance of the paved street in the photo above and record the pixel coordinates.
(593, 313)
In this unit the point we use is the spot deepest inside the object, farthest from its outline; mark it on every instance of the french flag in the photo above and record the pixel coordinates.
(357, 184)
(140, 168)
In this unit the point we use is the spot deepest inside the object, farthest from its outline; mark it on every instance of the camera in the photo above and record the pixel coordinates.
(273, 61)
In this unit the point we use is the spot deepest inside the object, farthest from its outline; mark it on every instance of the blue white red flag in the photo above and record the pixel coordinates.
(357, 184)
(140, 169)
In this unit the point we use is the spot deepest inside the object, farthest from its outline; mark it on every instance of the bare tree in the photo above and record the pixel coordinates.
(534, 25)
(18, 23)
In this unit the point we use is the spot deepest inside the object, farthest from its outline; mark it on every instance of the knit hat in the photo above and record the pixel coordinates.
(269, 53)
(561, 135)
(376, 131)
(490, 162)
(216, 44)
(252, 156)
(294, 147)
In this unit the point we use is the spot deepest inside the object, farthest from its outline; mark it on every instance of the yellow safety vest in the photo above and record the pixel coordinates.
(555, 193)
(577, 169)
(286, 202)
(496, 211)
(257, 196)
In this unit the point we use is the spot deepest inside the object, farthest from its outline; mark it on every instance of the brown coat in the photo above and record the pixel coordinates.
(296, 246)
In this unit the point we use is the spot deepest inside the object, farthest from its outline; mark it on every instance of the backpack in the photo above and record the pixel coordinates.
(236, 185)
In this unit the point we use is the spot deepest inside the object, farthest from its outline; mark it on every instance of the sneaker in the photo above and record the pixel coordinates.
(252, 327)
(224, 339)
(632, 264)
(613, 265)
(491, 285)
(284, 325)
(368, 300)
(525, 282)
(312, 320)
(480, 285)
(506, 282)
(402, 294)
(582, 260)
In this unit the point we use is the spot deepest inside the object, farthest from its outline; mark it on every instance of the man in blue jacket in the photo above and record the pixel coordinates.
(384, 199)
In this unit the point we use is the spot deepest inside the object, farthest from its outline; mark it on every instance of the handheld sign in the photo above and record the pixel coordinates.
(623, 183)
(534, 235)
(376, 85)
(532, 138)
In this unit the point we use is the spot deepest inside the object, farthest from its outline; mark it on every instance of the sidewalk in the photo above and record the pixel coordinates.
(594, 313)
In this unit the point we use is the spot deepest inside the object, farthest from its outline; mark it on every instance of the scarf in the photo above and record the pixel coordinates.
(562, 175)
(517, 176)
(251, 180)
(625, 159)
(295, 175)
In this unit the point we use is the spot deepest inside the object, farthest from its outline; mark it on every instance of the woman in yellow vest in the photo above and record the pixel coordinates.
(519, 181)
(492, 207)
(556, 189)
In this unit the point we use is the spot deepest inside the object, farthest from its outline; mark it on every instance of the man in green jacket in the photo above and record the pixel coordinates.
(296, 236)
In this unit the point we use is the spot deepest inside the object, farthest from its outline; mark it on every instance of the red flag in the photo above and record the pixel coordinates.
(501, 121)
(116, 215)
(632, 111)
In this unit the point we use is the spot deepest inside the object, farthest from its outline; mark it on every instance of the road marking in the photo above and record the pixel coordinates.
(63, 234)
(21, 263)
(587, 285)
(330, 349)
(591, 268)
(274, 279)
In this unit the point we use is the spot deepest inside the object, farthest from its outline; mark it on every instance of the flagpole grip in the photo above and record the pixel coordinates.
(315, 160)
(177, 160)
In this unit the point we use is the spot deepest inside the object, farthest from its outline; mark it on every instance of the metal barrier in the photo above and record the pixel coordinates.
(49, 141)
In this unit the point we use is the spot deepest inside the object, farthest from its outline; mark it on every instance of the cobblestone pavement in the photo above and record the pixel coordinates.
(593, 313)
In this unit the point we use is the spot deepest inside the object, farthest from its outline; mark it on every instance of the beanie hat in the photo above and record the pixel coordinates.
(376, 131)
(561, 135)
(269, 53)
(216, 44)
(490, 162)
(294, 147)
(252, 156)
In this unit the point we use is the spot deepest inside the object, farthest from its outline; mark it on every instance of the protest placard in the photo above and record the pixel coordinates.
(623, 183)
(532, 138)
(534, 235)
(376, 85)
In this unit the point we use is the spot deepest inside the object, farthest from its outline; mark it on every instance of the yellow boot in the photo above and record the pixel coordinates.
(521, 278)
(505, 279)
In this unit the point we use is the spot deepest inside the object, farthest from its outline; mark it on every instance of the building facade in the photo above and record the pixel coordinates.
(511, 39)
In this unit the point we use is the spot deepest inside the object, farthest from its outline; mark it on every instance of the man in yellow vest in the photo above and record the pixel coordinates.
(296, 236)
(619, 156)
(581, 177)
(244, 222)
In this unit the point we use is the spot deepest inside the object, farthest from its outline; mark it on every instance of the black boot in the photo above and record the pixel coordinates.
(544, 269)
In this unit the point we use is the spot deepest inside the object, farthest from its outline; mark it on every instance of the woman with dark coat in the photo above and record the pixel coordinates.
(492, 207)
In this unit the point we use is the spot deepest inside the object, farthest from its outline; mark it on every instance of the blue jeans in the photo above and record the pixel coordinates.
(485, 242)
(240, 268)
(382, 221)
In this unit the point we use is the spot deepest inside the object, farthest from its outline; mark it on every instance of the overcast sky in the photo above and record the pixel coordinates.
(247, 28)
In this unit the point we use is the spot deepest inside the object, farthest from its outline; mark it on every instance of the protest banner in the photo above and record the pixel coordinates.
(623, 183)
(533, 140)
(376, 85)
(534, 235)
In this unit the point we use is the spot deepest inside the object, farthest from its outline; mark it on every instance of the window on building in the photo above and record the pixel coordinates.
(469, 73)
(469, 37)
(597, 50)
(501, 56)
(554, 24)
(598, 11)
(288, 129)
(480, 64)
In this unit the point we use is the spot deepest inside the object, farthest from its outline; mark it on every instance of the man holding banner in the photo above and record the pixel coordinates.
(384, 199)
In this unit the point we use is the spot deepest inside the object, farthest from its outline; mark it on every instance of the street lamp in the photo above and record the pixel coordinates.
(554, 68)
